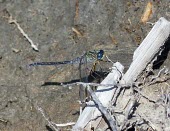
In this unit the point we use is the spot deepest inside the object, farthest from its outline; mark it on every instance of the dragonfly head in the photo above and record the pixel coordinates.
(100, 55)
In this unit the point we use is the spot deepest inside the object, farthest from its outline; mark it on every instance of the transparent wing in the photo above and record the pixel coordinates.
(85, 67)
(88, 71)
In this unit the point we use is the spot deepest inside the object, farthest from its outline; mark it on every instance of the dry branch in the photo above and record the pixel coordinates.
(104, 94)
(146, 53)
(103, 110)
(11, 20)
(47, 119)
(148, 50)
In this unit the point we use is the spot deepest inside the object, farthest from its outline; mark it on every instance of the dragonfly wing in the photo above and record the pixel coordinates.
(85, 70)
(82, 79)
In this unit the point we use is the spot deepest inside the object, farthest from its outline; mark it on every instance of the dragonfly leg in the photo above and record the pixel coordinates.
(93, 69)
(93, 72)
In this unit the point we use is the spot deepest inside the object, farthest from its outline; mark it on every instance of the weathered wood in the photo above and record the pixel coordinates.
(104, 94)
(147, 50)
(111, 121)
(144, 54)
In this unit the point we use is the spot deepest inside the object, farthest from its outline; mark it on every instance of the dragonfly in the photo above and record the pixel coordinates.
(89, 56)
(94, 57)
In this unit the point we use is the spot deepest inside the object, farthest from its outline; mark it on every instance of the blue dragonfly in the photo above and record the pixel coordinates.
(93, 57)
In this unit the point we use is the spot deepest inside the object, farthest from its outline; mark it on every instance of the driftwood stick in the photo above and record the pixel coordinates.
(148, 50)
(103, 110)
(104, 94)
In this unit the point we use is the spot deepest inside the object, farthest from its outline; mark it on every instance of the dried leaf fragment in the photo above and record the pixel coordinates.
(113, 39)
(78, 33)
(147, 13)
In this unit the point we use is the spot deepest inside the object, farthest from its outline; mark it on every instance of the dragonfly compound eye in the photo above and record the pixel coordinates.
(100, 54)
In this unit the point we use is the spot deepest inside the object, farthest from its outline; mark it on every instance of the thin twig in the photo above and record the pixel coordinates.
(150, 123)
(64, 124)
(98, 84)
(130, 107)
(11, 20)
(159, 73)
(116, 95)
(143, 95)
(165, 100)
(88, 84)
(159, 80)
(47, 119)
(102, 109)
